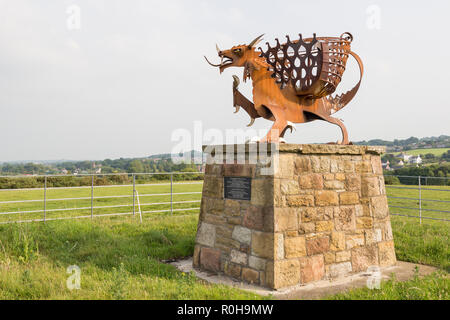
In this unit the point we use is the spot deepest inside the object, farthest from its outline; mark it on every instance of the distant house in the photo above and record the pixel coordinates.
(415, 160)
(404, 157)
(401, 163)
(385, 165)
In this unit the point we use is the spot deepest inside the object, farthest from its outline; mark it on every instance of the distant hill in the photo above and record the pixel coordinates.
(443, 141)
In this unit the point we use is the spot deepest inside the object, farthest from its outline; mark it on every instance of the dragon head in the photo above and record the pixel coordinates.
(237, 56)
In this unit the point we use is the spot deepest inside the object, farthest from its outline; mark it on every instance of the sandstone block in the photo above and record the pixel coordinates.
(301, 200)
(308, 214)
(387, 253)
(214, 219)
(324, 226)
(214, 169)
(279, 246)
(369, 186)
(232, 208)
(210, 259)
(295, 247)
(307, 227)
(354, 240)
(212, 205)
(312, 268)
(262, 192)
(289, 186)
(256, 263)
(239, 170)
(363, 166)
(285, 168)
(329, 257)
(342, 256)
(236, 220)
(238, 257)
(363, 257)
(285, 219)
(345, 219)
(233, 270)
(250, 275)
(302, 165)
(376, 165)
(310, 181)
(337, 241)
(196, 257)
(285, 273)
(364, 223)
(338, 270)
(206, 234)
(326, 198)
(372, 236)
(334, 184)
(254, 218)
(353, 182)
(379, 207)
(213, 186)
(263, 244)
(242, 234)
(348, 198)
(317, 245)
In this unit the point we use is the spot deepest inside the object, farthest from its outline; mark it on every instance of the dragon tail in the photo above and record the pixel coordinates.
(337, 102)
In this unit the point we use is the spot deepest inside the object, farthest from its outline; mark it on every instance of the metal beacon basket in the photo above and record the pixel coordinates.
(313, 66)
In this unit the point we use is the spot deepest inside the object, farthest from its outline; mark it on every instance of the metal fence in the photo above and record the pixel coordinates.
(173, 192)
(419, 197)
(59, 197)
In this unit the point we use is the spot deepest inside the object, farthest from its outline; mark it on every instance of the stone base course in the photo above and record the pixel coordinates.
(321, 214)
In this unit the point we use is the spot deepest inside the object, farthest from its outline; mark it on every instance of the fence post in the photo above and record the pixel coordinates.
(134, 194)
(171, 193)
(420, 201)
(92, 197)
(45, 197)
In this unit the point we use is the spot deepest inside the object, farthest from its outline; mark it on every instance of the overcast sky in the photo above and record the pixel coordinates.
(133, 72)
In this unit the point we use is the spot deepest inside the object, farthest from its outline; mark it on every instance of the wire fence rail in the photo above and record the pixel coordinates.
(414, 195)
(46, 203)
(179, 192)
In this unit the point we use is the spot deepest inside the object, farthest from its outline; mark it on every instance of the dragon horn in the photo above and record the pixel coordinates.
(257, 39)
(217, 48)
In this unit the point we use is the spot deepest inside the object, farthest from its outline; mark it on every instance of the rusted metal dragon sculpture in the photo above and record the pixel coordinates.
(292, 82)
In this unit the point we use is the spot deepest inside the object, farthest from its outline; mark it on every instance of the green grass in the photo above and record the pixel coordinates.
(424, 244)
(122, 259)
(432, 287)
(436, 151)
(119, 259)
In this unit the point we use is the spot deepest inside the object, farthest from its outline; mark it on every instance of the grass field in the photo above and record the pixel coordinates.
(436, 151)
(121, 258)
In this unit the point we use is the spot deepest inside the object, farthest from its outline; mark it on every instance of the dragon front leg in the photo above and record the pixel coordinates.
(239, 100)
(279, 128)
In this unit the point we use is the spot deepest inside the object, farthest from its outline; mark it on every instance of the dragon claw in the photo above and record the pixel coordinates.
(290, 125)
(235, 82)
(251, 122)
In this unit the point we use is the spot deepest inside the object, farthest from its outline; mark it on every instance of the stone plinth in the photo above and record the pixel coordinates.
(321, 213)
